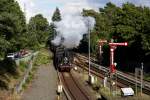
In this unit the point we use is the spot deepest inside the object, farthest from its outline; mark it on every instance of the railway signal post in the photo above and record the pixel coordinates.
(139, 73)
(113, 46)
(101, 43)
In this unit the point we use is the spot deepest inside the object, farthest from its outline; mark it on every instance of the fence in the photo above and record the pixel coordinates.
(29, 58)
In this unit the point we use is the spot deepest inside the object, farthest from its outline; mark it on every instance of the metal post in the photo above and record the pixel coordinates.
(111, 65)
(110, 83)
(100, 50)
(89, 48)
(135, 81)
(111, 59)
(116, 82)
(100, 54)
(141, 77)
(115, 78)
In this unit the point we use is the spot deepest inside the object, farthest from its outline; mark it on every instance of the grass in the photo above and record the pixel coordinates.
(43, 57)
(29, 79)
(23, 66)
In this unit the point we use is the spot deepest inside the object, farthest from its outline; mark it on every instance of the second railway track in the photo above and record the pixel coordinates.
(124, 79)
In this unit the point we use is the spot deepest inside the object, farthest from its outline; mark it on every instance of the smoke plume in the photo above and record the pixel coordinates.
(71, 28)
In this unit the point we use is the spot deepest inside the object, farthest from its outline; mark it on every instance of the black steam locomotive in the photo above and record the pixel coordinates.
(63, 58)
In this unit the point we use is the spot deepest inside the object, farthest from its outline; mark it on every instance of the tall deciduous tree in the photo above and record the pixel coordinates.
(129, 23)
(12, 26)
(38, 28)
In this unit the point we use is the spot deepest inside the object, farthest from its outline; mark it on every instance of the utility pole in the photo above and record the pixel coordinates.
(91, 78)
(89, 48)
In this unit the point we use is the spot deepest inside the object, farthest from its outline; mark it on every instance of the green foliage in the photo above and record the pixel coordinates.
(124, 23)
(52, 34)
(43, 57)
(15, 34)
(12, 26)
(38, 29)
(56, 16)
(8, 70)
(9, 66)
(127, 23)
(23, 65)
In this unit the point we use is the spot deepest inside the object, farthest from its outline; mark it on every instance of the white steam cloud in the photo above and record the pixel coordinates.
(71, 28)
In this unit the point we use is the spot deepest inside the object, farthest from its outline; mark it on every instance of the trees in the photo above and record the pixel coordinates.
(38, 29)
(55, 18)
(12, 39)
(12, 26)
(127, 23)
(124, 23)
(13, 29)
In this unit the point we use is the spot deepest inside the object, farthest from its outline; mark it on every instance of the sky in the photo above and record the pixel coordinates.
(47, 7)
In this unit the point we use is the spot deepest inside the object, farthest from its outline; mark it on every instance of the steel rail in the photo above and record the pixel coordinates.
(72, 87)
(122, 76)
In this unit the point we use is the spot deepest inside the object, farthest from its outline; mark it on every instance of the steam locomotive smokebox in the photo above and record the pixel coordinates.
(91, 79)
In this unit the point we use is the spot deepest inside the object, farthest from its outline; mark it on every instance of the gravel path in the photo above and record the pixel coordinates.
(44, 85)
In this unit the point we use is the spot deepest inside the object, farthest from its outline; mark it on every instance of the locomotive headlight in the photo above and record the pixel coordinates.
(75, 68)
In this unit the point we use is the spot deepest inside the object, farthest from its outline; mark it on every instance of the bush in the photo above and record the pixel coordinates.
(9, 66)
(8, 69)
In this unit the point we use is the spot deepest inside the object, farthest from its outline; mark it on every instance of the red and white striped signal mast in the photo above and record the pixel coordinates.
(113, 46)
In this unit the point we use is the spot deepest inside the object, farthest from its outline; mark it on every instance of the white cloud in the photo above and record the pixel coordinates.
(136, 2)
(47, 7)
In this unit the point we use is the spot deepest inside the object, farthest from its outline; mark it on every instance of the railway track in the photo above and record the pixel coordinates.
(130, 75)
(72, 87)
(98, 73)
(123, 78)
